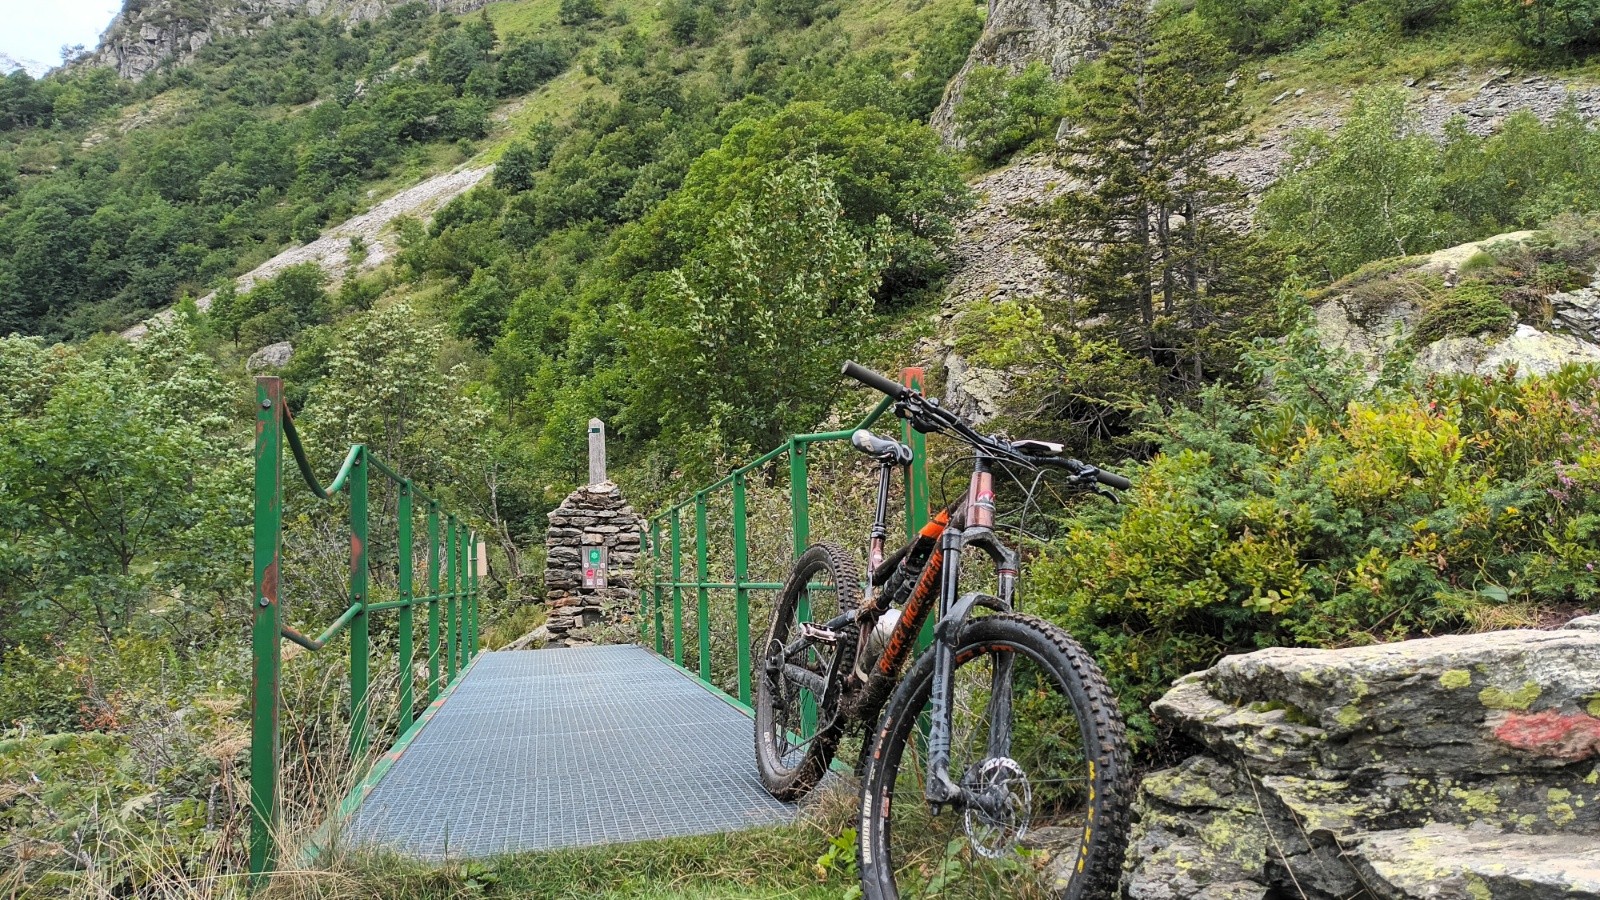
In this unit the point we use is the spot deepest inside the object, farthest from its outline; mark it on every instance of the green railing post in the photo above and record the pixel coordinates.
(450, 599)
(702, 574)
(359, 642)
(917, 486)
(406, 551)
(268, 660)
(646, 549)
(800, 521)
(475, 581)
(677, 592)
(655, 569)
(741, 594)
(433, 600)
(461, 596)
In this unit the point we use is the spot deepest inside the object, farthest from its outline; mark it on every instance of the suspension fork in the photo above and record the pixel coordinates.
(953, 614)
(939, 789)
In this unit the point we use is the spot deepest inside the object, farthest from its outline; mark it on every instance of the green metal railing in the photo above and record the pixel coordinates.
(451, 546)
(667, 556)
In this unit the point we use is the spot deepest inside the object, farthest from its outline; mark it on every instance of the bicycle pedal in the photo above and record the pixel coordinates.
(818, 634)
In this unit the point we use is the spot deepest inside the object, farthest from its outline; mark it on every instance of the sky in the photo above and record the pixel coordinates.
(36, 29)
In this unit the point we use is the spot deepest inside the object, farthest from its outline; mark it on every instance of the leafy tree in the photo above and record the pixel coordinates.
(1372, 190)
(790, 13)
(100, 474)
(939, 57)
(879, 166)
(578, 12)
(481, 308)
(273, 310)
(525, 64)
(1555, 25)
(515, 170)
(781, 271)
(999, 114)
(388, 386)
(1146, 244)
(1264, 25)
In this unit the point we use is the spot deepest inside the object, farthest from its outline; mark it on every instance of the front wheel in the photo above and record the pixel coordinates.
(1037, 746)
(798, 725)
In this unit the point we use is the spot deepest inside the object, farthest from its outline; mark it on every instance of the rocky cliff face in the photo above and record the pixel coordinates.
(148, 33)
(1455, 768)
(1017, 32)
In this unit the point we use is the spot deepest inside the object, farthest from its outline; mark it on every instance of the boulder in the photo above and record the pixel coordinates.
(1464, 766)
(272, 356)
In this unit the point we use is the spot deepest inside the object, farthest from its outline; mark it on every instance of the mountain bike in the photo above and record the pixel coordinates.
(997, 767)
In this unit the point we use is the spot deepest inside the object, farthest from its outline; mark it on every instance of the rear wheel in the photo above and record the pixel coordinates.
(1048, 811)
(797, 723)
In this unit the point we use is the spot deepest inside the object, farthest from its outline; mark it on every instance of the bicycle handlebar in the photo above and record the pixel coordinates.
(875, 381)
(926, 414)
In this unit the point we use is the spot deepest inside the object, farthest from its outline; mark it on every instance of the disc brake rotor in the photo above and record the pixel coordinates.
(998, 818)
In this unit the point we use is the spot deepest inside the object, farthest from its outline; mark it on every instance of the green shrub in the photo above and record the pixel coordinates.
(1422, 511)
(1381, 187)
(1264, 25)
(1471, 308)
(577, 12)
(1000, 114)
(1554, 25)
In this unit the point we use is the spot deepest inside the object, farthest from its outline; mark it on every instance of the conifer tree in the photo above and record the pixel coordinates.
(1150, 241)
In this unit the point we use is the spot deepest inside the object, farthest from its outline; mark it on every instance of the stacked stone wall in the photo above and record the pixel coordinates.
(592, 516)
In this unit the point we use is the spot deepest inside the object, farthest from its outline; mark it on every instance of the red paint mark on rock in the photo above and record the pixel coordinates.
(1573, 735)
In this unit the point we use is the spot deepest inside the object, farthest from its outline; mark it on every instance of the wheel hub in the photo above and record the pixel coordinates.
(997, 814)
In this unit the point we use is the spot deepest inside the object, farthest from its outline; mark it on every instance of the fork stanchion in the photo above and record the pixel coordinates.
(916, 486)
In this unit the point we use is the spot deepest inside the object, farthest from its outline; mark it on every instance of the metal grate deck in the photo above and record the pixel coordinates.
(536, 750)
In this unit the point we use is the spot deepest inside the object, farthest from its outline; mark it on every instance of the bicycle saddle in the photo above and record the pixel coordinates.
(886, 449)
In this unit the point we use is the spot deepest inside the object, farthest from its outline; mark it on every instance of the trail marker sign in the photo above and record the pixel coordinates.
(594, 566)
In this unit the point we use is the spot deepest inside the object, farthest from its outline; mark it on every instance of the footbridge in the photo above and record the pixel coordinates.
(497, 752)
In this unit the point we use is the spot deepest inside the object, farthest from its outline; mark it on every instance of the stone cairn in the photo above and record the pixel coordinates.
(594, 517)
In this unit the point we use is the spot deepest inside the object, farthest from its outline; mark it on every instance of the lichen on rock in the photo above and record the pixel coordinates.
(1329, 773)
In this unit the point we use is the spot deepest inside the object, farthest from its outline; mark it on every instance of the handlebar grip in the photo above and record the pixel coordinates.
(1112, 479)
(873, 380)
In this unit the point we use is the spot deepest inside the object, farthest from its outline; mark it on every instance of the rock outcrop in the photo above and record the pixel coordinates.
(148, 33)
(593, 518)
(270, 357)
(1457, 767)
(1062, 33)
(1352, 323)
